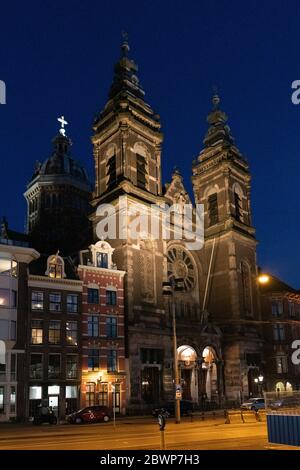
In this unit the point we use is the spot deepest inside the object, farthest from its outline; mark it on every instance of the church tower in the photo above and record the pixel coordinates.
(221, 181)
(58, 196)
(127, 151)
(127, 138)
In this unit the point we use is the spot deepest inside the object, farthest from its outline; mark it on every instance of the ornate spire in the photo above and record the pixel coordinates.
(218, 130)
(125, 81)
(125, 45)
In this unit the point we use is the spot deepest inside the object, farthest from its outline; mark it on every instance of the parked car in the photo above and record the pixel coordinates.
(186, 408)
(254, 404)
(285, 402)
(90, 414)
(44, 414)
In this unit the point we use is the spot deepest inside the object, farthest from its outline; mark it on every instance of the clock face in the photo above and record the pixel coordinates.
(180, 265)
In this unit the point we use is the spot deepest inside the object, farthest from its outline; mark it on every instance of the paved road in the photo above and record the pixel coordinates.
(142, 434)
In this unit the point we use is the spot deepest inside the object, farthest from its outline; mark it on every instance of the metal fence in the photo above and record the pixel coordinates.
(282, 403)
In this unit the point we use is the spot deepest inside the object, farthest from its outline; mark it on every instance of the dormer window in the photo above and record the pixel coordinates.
(102, 255)
(55, 267)
(102, 260)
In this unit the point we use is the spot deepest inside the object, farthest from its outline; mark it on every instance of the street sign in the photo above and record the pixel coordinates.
(178, 392)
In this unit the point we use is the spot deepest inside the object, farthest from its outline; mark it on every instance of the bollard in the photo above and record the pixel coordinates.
(202, 416)
(162, 423)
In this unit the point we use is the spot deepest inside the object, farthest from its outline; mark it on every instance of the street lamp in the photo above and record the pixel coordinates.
(263, 278)
(168, 291)
(259, 382)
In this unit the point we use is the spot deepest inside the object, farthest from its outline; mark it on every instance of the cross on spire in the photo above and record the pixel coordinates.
(63, 123)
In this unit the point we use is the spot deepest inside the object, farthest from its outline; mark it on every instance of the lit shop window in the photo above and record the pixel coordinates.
(71, 391)
(12, 399)
(53, 390)
(1, 399)
(35, 393)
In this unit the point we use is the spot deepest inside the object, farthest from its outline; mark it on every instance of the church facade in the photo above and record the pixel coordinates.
(85, 319)
(219, 349)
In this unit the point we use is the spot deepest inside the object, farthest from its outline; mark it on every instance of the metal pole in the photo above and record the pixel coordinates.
(176, 375)
(162, 440)
(114, 404)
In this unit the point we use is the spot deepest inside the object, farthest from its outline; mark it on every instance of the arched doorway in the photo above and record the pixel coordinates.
(209, 375)
(187, 360)
(289, 387)
(279, 387)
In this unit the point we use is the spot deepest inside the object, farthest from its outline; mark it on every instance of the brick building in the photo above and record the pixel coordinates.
(280, 305)
(53, 336)
(103, 379)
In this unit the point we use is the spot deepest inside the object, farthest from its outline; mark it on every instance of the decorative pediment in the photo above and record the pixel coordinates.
(175, 191)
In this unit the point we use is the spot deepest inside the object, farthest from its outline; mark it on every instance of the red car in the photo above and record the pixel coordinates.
(91, 414)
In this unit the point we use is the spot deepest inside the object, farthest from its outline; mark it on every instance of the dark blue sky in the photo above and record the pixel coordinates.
(57, 57)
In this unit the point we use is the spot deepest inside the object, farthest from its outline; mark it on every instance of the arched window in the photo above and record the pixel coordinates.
(238, 198)
(111, 167)
(288, 387)
(213, 212)
(247, 288)
(211, 196)
(111, 172)
(141, 166)
(55, 267)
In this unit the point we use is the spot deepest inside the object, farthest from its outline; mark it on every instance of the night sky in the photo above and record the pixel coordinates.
(57, 58)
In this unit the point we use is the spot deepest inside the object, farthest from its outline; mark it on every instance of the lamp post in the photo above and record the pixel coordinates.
(259, 382)
(168, 291)
(113, 388)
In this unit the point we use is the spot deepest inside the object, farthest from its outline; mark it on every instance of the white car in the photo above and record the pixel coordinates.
(253, 404)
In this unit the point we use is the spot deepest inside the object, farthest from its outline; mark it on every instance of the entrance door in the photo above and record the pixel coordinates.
(186, 384)
(53, 403)
(151, 384)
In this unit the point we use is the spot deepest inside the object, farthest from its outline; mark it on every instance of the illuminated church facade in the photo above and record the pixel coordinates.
(219, 344)
(85, 319)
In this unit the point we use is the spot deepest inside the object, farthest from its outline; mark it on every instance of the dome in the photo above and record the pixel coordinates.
(61, 162)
